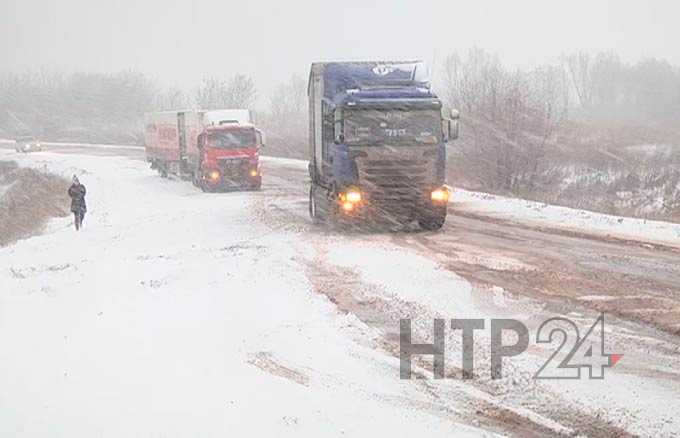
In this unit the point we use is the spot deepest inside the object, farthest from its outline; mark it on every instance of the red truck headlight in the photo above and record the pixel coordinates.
(214, 175)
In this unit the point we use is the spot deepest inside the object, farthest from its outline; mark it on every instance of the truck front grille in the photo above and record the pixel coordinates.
(233, 167)
(390, 181)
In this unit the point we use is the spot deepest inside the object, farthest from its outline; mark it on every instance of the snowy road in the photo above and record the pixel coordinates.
(179, 313)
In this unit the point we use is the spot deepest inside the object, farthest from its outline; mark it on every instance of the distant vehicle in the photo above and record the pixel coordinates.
(27, 144)
(377, 144)
(215, 149)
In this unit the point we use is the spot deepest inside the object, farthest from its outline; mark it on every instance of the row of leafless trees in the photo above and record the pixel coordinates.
(513, 119)
(282, 114)
(606, 88)
(110, 107)
(80, 106)
(509, 116)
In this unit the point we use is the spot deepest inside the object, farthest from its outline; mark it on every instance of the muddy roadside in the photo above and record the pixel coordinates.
(636, 282)
(29, 198)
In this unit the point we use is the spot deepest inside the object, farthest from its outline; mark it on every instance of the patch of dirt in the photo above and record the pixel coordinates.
(350, 294)
(345, 289)
(31, 199)
(31, 271)
(268, 363)
(567, 266)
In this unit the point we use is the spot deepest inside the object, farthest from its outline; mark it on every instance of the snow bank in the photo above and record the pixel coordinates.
(286, 162)
(93, 145)
(582, 221)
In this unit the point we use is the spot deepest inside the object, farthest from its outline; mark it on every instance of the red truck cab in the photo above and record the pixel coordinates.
(217, 149)
(228, 157)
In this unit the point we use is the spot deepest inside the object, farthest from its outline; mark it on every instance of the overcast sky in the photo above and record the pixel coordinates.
(179, 42)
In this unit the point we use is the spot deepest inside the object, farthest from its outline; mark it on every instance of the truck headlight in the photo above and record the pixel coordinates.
(440, 195)
(214, 175)
(350, 199)
(253, 173)
(353, 196)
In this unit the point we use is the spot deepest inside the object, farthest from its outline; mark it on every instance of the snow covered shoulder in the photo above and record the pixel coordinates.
(179, 313)
(565, 218)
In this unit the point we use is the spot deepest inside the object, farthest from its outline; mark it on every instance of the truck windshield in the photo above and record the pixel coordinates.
(232, 139)
(392, 126)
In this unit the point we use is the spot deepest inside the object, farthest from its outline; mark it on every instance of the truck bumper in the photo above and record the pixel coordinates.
(222, 182)
(401, 212)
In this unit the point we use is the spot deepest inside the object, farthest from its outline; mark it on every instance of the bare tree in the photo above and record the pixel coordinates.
(509, 116)
(579, 66)
(286, 119)
(171, 99)
(237, 92)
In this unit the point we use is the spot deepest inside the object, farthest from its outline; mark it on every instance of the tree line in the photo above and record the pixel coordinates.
(511, 117)
(518, 123)
(109, 108)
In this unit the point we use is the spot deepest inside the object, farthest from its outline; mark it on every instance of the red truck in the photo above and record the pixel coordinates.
(217, 150)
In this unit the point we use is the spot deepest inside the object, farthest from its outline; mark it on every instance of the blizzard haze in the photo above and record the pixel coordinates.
(180, 42)
(220, 285)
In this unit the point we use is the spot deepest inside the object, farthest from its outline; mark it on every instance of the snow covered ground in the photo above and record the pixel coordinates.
(86, 145)
(176, 313)
(180, 313)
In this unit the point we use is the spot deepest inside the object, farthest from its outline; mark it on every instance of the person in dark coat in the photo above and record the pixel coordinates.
(77, 193)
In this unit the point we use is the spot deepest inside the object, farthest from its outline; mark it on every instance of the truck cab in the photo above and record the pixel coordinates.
(228, 156)
(377, 144)
(217, 149)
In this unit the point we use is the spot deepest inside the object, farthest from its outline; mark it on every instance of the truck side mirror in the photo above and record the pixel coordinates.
(453, 126)
(260, 138)
(450, 130)
(454, 129)
(339, 136)
(338, 127)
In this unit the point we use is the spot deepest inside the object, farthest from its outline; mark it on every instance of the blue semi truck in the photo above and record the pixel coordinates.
(377, 144)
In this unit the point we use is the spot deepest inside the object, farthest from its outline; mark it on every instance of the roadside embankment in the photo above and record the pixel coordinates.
(28, 200)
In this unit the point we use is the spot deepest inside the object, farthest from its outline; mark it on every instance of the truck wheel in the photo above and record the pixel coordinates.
(432, 223)
(314, 212)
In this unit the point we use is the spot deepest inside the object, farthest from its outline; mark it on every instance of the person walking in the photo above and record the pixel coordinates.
(77, 193)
